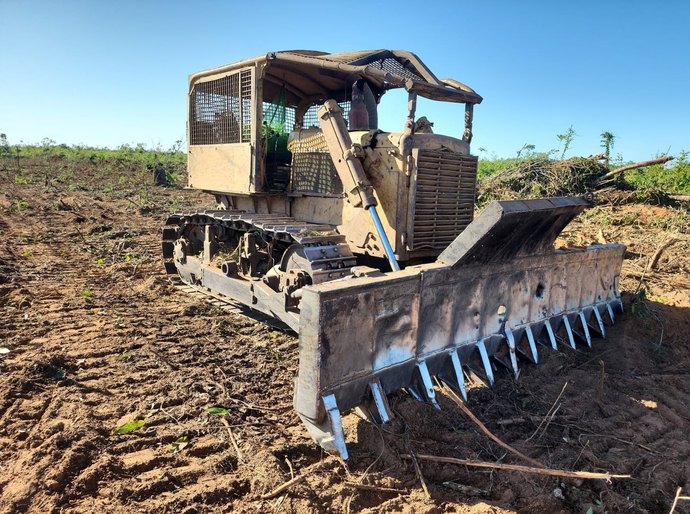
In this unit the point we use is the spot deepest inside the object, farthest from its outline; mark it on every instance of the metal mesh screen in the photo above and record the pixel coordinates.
(274, 115)
(313, 170)
(315, 173)
(393, 66)
(220, 110)
(311, 120)
(246, 96)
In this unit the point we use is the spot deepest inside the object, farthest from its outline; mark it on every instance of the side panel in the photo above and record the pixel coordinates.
(222, 128)
(354, 332)
(223, 168)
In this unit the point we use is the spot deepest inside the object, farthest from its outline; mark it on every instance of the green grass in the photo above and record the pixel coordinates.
(672, 178)
(123, 154)
(112, 170)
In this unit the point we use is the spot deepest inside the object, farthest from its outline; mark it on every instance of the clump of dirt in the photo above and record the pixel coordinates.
(104, 339)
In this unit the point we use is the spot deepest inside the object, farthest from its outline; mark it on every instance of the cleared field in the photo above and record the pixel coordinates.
(96, 336)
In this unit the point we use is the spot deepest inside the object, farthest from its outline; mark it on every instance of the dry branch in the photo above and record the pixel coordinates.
(233, 440)
(550, 413)
(451, 394)
(657, 255)
(675, 500)
(376, 488)
(418, 471)
(287, 485)
(515, 467)
(635, 166)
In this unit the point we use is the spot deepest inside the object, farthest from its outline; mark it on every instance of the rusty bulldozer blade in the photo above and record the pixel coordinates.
(495, 292)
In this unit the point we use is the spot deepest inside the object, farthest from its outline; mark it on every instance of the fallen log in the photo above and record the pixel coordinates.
(642, 164)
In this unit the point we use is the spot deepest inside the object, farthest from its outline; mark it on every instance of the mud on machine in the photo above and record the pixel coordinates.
(363, 241)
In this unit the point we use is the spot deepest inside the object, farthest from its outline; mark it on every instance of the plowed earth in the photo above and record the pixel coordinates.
(94, 335)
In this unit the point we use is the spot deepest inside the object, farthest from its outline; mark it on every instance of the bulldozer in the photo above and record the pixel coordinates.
(365, 243)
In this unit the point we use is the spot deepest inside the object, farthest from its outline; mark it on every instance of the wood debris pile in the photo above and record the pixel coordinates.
(541, 177)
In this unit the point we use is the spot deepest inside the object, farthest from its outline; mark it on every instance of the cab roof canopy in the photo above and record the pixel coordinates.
(307, 76)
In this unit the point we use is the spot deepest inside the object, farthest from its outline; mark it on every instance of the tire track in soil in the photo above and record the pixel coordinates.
(65, 470)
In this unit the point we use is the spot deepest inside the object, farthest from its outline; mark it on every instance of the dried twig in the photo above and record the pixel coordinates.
(456, 399)
(657, 255)
(515, 467)
(418, 471)
(675, 500)
(292, 471)
(233, 441)
(287, 485)
(624, 441)
(546, 427)
(549, 414)
(367, 487)
(466, 489)
(514, 421)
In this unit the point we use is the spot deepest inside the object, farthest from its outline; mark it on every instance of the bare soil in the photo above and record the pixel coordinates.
(96, 336)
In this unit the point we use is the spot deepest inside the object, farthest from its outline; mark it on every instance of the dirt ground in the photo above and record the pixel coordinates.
(94, 335)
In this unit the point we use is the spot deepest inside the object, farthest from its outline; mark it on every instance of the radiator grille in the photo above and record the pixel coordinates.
(444, 198)
(220, 110)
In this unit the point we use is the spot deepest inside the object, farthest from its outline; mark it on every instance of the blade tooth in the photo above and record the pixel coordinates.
(619, 303)
(428, 384)
(569, 330)
(532, 344)
(414, 393)
(513, 356)
(481, 346)
(600, 321)
(552, 336)
(610, 311)
(585, 328)
(331, 406)
(380, 401)
(459, 377)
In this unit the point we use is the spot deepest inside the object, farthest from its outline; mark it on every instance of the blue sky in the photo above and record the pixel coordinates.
(107, 73)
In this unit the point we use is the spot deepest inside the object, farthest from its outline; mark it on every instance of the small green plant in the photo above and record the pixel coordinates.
(124, 356)
(180, 444)
(566, 139)
(129, 427)
(669, 178)
(5, 150)
(87, 293)
(218, 411)
(22, 180)
(20, 205)
(527, 149)
(607, 139)
(639, 303)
